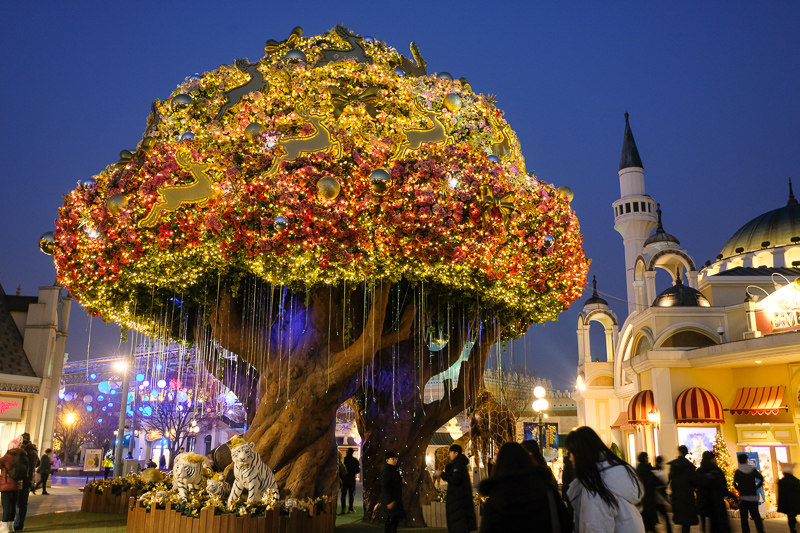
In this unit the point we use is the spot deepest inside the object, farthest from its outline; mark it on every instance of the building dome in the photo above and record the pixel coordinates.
(660, 235)
(779, 227)
(595, 299)
(680, 295)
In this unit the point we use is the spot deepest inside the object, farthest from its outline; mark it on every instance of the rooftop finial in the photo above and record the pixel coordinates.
(626, 116)
(658, 211)
(678, 276)
(594, 285)
(792, 199)
(630, 155)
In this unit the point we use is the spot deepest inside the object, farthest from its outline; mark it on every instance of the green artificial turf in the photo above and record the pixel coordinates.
(76, 522)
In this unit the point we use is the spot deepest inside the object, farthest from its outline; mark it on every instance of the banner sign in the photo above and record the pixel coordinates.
(780, 311)
(550, 431)
(92, 460)
(11, 408)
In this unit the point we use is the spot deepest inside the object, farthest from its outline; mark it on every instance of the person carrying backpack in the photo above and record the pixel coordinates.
(747, 480)
(14, 467)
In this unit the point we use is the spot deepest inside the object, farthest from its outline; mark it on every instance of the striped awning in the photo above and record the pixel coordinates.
(640, 406)
(758, 400)
(698, 405)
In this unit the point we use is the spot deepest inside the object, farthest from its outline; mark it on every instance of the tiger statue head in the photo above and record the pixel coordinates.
(216, 486)
(243, 454)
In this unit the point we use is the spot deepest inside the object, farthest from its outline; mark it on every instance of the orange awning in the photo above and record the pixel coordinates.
(621, 421)
(758, 400)
(640, 406)
(698, 405)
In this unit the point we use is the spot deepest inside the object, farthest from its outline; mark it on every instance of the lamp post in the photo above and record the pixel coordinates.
(540, 405)
(194, 429)
(123, 367)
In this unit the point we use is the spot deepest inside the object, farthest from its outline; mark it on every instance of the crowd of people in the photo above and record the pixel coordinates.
(600, 492)
(18, 469)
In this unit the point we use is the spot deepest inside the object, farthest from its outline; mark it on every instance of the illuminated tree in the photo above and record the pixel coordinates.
(724, 461)
(346, 225)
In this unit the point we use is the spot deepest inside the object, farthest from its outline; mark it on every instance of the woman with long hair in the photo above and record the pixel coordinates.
(515, 491)
(606, 489)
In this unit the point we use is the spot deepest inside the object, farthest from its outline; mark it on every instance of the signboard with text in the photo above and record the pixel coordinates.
(780, 311)
(550, 431)
(11, 408)
(92, 460)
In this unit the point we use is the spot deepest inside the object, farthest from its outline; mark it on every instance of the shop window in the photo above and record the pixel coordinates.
(697, 440)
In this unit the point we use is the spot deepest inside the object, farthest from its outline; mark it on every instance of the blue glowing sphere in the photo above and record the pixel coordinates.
(99, 420)
(100, 398)
(89, 408)
(139, 377)
(93, 376)
(110, 404)
(159, 367)
(148, 411)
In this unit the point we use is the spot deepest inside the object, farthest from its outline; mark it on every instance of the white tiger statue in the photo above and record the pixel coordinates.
(187, 473)
(249, 472)
(217, 487)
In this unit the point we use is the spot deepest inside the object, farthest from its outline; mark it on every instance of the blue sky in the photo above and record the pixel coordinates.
(712, 89)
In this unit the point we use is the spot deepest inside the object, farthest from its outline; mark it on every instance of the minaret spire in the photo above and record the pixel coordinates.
(630, 154)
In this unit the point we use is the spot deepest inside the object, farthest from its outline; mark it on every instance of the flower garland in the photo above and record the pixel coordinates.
(468, 224)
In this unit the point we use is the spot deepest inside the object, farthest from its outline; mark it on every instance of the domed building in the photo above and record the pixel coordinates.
(716, 353)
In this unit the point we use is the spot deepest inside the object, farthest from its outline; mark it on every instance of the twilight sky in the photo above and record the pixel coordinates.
(713, 91)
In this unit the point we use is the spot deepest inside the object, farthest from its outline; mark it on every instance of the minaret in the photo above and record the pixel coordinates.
(635, 211)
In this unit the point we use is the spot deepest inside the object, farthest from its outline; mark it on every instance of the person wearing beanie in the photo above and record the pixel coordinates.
(459, 506)
(747, 480)
(13, 468)
(391, 493)
(789, 495)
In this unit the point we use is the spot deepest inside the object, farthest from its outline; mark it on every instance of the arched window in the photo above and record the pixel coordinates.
(688, 339)
(641, 345)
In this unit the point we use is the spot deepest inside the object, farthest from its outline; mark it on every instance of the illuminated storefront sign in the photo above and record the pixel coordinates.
(11, 408)
(780, 311)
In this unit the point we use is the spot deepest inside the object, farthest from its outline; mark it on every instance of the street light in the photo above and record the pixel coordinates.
(540, 405)
(122, 367)
(70, 418)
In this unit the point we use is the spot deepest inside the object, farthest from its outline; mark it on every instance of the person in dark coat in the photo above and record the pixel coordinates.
(45, 467)
(650, 483)
(539, 463)
(681, 479)
(514, 491)
(747, 480)
(712, 488)
(349, 481)
(459, 505)
(391, 493)
(22, 499)
(789, 495)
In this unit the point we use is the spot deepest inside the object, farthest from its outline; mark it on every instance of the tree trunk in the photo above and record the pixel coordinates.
(301, 347)
(391, 413)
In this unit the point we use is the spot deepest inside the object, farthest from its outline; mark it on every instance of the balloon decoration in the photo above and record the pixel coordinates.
(330, 158)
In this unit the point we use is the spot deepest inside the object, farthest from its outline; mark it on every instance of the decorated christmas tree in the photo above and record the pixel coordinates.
(724, 460)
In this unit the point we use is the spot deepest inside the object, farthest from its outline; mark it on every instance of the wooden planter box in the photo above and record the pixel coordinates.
(435, 514)
(106, 502)
(152, 520)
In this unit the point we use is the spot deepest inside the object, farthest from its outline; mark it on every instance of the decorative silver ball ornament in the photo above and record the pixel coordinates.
(88, 183)
(47, 243)
(115, 203)
(380, 181)
(549, 240)
(194, 77)
(437, 338)
(494, 159)
(188, 136)
(179, 101)
(566, 192)
(280, 223)
(445, 76)
(369, 39)
(452, 102)
(400, 72)
(295, 55)
(253, 130)
(328, 188)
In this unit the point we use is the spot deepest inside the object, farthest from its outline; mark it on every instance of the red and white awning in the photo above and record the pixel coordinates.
(698, 405)
(758, 400)
(641, 405)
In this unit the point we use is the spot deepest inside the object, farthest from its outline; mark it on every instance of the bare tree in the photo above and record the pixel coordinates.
(174, 421)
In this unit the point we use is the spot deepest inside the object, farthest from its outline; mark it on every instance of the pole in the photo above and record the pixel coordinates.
(126, 383)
